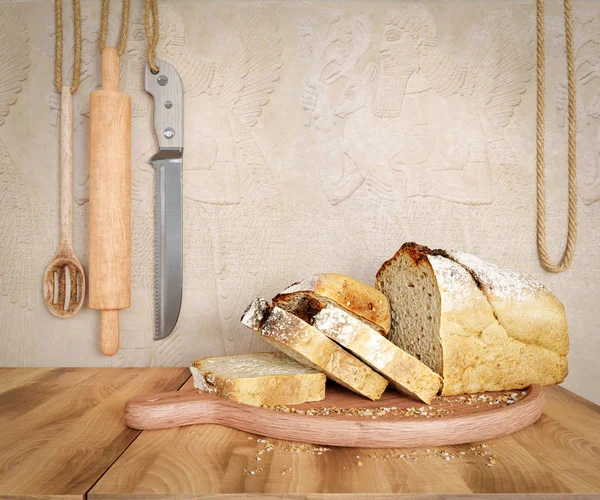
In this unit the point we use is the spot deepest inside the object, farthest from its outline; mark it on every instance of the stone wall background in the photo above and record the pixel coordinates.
(319, 137)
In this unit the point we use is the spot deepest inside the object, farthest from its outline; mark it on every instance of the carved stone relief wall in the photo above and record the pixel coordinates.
(319, 137)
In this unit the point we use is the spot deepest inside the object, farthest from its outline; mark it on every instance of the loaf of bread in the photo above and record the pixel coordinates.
(313, 294)
(309, 346)
(404, 371)
(480, 327)
(259, 379)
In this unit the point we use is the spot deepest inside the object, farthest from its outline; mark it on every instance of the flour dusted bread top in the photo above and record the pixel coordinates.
(524, 307)
(309, 346)
(442, 314)
(259, 379)
(314, 293)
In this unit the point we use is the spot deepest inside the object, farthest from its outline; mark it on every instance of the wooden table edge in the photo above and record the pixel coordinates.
(347, 496)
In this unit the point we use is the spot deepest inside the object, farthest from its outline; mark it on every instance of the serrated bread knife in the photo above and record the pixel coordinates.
(167, 91)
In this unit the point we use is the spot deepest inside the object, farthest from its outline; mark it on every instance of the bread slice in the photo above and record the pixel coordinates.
(314, 293)
(259, 379)
(404, 371)
(441, 316)
(309, 346)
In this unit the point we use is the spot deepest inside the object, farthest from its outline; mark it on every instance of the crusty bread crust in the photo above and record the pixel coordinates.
(526, 309)
(479, 354)
(262, 389)
(404, 371)
(488, 342)
(309, 346)
(314, 293)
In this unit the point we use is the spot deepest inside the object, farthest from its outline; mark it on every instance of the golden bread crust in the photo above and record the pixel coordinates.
(314, 293)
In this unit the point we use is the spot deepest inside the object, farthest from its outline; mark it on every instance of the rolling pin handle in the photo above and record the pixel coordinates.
(111, 69)
(109, 331)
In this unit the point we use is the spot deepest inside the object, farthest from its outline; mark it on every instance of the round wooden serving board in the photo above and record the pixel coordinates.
(460, 422)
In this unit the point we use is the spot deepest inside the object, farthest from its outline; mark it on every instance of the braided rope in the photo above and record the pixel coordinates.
(151, 10)
(103, 25)
(58, 46)
(124, 26)
(542, 246)
(77, 46)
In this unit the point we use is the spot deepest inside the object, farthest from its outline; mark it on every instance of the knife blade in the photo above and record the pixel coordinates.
(166, 89)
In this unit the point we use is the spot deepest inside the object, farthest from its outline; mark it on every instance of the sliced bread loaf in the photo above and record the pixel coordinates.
(309, 346)
(259, 379)
(404, 371)
(313, 294)
(441, 316)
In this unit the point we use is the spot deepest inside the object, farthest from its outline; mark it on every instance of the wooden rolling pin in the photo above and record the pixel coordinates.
(110, 202)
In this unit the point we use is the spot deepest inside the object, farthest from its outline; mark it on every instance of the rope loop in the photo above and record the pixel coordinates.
(542, 245)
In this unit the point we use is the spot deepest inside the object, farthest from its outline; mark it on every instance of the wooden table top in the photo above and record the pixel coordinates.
(61, 429)
(62, 434)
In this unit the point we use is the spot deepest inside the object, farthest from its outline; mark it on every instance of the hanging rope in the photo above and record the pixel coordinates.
(124, 26)
(567, 257)
(58, 46)
(151, 11)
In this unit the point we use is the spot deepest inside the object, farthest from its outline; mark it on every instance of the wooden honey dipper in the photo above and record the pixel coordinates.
(110, 202)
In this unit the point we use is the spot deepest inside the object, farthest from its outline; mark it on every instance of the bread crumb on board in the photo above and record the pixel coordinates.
(431, 411)
(482, 450)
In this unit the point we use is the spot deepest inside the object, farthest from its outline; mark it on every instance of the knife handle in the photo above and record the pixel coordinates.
(166, 89)
(109, 331)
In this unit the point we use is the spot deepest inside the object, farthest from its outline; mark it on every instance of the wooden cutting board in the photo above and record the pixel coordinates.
(399, 421)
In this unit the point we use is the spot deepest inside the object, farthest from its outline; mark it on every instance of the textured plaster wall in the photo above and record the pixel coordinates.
(319, 137)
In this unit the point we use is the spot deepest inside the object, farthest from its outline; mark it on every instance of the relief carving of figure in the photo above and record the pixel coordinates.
(332, 54)
(432, 124)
